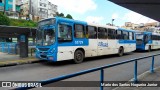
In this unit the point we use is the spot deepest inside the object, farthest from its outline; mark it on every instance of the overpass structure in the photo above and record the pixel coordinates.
(149, 8)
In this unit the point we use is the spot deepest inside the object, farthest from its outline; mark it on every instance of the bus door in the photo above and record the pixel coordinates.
(112, 42)
(91, 34)
(65, 40)
(147, 41)
(102, 41)
(126, 42)
(132, 42)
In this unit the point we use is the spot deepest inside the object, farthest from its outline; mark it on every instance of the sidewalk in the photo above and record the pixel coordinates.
(10, 60)
(147, 76)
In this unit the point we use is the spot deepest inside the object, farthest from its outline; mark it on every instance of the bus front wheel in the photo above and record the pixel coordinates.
(121, 51)
(78, 56)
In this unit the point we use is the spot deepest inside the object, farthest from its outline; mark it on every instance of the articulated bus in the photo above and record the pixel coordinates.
(66, 39)
(147, 41)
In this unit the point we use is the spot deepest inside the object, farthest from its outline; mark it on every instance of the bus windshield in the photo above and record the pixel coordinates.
(46, 32)
(139, 37)
(45, 37)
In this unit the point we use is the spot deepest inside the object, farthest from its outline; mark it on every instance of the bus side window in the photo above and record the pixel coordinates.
(111, 33)
(79, 31)
(119, 34)
(64, 32)
(102, 33)
(131, 36)
(158, 37)
(91, 32)
(125, 35)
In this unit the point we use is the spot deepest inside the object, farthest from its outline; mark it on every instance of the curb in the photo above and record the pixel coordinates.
(19, 63)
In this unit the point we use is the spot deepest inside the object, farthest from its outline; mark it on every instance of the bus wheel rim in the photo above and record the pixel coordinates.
(79, 57)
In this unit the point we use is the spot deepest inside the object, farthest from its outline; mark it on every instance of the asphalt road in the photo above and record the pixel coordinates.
(46, 70)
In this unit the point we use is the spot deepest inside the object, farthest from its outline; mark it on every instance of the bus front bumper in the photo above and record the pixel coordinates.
(43, 56)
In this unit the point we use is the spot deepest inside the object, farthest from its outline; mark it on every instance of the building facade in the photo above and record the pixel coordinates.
(41, 9)
(52, 9)
(150, 27)
(9, 5)
(32, 9)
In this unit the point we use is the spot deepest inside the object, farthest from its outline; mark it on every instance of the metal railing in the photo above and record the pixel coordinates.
(10, 48)
(101, 69)
(13, 48)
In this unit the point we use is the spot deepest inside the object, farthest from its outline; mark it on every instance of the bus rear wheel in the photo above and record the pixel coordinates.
(78, 56)
(121, 51)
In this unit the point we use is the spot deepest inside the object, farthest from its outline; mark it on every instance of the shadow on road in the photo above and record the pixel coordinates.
(90, 59)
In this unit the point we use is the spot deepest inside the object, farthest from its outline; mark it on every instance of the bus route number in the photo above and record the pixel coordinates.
(78, 42)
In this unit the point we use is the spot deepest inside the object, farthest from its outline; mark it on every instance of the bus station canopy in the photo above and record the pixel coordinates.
(149, 8)
(13, 31)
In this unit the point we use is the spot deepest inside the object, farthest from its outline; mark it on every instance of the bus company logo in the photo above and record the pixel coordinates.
(102, 44)
(156, 43)
(6, 84)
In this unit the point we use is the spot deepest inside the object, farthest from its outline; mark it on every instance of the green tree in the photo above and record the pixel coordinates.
(69, 16)
(62, 15)
(59, 14)
(4, 20)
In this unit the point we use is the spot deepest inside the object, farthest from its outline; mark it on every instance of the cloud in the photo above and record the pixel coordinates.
(115, 16)
(136, 18)
(76, 6)
(94, 19)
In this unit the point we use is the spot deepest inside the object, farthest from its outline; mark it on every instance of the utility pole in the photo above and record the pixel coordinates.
(4, 7)
(30, 10)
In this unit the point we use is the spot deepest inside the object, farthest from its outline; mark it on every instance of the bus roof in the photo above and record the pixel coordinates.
(126, 29)
(45, 19)
(143, 32)
(105, 26)
(70, 20)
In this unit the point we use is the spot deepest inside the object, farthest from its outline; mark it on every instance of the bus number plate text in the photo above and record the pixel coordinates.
(78, 42)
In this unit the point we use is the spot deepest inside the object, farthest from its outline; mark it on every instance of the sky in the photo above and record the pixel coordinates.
(99, 11)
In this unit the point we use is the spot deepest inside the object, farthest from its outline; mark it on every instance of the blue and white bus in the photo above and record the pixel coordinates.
(65, 39)
(147, 41)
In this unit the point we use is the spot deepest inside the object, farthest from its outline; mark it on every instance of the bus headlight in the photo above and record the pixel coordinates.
(37, 50)
(52, 51)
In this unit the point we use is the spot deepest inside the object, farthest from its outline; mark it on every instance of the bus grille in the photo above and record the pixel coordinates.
(43, 49)
(43, 56)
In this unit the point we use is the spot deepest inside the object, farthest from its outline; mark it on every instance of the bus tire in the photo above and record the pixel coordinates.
(120, 51)
(78, 56)
(149, 49)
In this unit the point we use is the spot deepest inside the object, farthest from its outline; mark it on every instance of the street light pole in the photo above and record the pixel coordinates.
(112, 21)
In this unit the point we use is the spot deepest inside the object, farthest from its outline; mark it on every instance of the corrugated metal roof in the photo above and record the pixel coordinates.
(149, 8)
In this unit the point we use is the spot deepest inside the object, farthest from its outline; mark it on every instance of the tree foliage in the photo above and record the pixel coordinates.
(4, 20)
(62, 15)
(23, 23)
(69, 16)
(59, 14)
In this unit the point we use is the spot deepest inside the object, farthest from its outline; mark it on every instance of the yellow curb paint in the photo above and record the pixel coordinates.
(17, 61)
